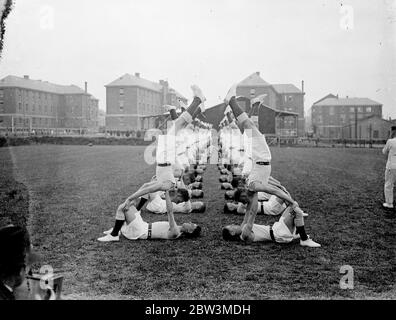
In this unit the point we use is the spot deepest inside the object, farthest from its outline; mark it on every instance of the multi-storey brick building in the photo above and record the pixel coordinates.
(281, 97)
(134, 103)
(331, 113)
(36, 106)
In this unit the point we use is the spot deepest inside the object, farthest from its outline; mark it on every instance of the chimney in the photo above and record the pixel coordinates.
(302, 86)
(26, 76)
(347, 97)
(86, 86)
(137, 74)
(337, 95)
(258, 73)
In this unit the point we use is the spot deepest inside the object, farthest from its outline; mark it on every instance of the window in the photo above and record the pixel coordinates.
(121, 91)
(1, 94)
(360, 109)
(290, 98)
(352, 109)
(252, 92)
(368, 109)
(375, 134)
(121, 121)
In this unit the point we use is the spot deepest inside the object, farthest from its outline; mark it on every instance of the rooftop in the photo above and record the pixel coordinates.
(347, 102)
(129, 80)
(254, 80)
(286, 88)
(39, 85)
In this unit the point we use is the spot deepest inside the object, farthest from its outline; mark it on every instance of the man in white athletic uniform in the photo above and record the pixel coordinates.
(390, 170)
(134, 227)
(283, 231)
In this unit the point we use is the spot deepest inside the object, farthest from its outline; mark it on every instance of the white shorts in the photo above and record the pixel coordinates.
(164, 174)
(137, 229)
(260, 173)
(282, 233)
(272, 207)
(157, 205)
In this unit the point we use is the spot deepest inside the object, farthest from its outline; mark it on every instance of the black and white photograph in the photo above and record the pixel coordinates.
(227, 151)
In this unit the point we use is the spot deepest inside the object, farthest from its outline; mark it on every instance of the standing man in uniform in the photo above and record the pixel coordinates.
(390, 170)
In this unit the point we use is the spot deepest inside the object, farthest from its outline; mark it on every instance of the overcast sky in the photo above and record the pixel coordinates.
(334, 46)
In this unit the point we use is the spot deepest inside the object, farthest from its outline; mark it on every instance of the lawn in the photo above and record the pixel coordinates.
(74, 191)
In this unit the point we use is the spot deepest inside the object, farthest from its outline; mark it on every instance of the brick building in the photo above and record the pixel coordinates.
(331, 113)
(134, 103)
(370, 128)
(285, 98)
(36, 106)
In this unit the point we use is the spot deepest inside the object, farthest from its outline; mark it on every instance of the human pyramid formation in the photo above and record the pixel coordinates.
(245, 164)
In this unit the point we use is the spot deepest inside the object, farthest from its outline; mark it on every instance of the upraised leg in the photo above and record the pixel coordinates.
(250, 216)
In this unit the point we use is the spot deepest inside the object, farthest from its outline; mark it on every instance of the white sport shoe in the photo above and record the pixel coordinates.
(259, 99)
(297, 209)
(296, 236)
(198, 92)
(108, 231)
(231, 93)
(387, 205)
(169, 107)
(309, 243)
(304, 214)
(227, 110)
(109, 238)
(181, 104)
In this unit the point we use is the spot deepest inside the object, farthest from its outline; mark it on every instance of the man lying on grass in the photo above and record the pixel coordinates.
(267, 204)
(180, 201)
(133, 227)
(283, 231)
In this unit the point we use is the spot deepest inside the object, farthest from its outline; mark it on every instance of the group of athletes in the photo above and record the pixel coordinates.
(245, 164)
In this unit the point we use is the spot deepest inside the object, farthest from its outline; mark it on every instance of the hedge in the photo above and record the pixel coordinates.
(19, 141)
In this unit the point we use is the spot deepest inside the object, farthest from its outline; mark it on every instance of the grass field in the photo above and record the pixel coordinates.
(74, 191)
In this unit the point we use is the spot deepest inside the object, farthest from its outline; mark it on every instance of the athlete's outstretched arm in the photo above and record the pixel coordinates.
(247, 229)
(173, 229)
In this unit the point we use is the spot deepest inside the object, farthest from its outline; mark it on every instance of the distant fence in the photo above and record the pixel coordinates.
(76, 140)
(347, 143)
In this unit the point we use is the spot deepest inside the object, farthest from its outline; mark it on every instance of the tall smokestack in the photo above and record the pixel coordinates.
(302, 86)
(86, 87)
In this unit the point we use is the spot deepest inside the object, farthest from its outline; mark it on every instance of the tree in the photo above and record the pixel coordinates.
(5, 10)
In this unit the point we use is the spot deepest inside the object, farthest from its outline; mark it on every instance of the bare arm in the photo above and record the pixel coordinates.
(173, 229)
(277, 184)
(385, 150)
